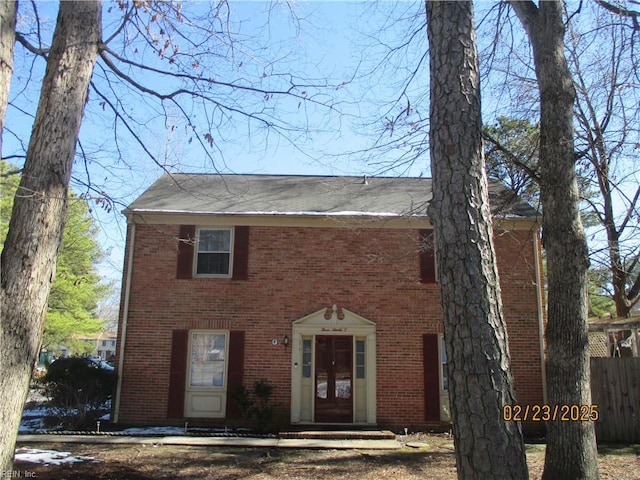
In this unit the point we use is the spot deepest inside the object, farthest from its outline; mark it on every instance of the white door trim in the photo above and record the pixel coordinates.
(334, 323)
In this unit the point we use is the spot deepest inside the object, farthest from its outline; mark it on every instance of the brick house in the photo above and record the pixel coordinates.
(323, 286)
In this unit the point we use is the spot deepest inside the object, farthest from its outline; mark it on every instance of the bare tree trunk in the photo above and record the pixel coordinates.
(480, 381)
(37, 220)
(8, 11)
(571, 446)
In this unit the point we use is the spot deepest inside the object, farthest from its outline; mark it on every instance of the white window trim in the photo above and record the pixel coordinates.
(351, 325)
(197, 251)
(441, 365)
(445, 408)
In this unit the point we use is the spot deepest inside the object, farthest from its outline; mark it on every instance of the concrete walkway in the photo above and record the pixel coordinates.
(359, 444)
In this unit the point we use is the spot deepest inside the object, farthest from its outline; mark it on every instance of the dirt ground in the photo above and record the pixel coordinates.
(430, 457)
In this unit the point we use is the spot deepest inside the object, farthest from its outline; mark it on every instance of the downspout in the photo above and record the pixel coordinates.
(539, 295)
(125, 315)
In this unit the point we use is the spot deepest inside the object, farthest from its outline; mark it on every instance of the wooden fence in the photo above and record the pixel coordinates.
(615, 389)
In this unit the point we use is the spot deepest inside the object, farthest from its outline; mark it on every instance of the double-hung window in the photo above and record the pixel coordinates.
(214, 251)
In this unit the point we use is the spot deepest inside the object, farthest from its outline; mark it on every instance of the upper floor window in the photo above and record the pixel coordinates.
(214, 251)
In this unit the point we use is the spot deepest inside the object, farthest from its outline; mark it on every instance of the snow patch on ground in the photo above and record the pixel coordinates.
(36, 411)
(48, 457)
(154, 431)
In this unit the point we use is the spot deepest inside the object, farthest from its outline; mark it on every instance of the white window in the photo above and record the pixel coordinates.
(444, 375)
(445, 407)
(208, 359)
(214, 251)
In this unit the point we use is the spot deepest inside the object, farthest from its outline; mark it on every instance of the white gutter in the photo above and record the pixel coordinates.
(540, 290)
(125, 315)
(301, 213)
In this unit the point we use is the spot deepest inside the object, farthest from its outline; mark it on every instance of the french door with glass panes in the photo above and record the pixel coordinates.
(333, 379)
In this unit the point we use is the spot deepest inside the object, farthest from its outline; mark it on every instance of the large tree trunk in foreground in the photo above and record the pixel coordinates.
(480, 381)
(571, 445)
(37, 220)
(7, 39)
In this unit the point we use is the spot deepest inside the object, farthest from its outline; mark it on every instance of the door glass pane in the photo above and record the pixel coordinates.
(306, 358)
(321, 385)
(208, 353)
(342, 367)
(359, 358)
(323, 367)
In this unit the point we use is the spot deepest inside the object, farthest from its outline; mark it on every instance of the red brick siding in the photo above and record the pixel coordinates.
(296, 271)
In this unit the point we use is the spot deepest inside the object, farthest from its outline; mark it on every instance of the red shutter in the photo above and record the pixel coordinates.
(431, 362)
(241, 253)
(427, 257)
(178, 373)
(185, 251)
(236, 371)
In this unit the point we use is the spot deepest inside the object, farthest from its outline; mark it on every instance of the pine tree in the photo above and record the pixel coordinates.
(76, 289)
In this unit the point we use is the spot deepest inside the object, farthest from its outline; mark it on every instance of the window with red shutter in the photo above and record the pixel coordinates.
(212, 248)
(427, 257)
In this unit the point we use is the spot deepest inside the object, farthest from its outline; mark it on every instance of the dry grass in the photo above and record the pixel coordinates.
(433, 458)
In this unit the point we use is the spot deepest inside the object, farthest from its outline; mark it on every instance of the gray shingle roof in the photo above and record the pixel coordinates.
(302, 195)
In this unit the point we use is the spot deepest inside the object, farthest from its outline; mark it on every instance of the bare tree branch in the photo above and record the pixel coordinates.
(43, 52)
(623, 12)
(533, 174)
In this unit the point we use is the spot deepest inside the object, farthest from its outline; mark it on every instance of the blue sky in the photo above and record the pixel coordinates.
(348, 45)
(332, 42)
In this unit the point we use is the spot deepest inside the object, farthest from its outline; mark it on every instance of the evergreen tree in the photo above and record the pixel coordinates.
(76, 290)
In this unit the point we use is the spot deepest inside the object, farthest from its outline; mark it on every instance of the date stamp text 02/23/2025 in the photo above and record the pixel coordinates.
(546, 413)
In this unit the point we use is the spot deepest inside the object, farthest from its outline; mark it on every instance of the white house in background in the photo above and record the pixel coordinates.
(104, 344)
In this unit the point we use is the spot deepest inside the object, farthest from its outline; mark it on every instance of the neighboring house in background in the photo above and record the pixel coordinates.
(614, 337)
(103, 343)
(323, 286)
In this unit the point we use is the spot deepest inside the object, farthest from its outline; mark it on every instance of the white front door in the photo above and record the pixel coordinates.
(206, 389)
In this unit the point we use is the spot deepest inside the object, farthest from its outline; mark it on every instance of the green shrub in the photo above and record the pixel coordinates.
(241, 396)
(256, 404)
(263, 408)
(78, 390)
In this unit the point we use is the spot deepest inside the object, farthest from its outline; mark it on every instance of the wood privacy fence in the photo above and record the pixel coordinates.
(615, 388)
